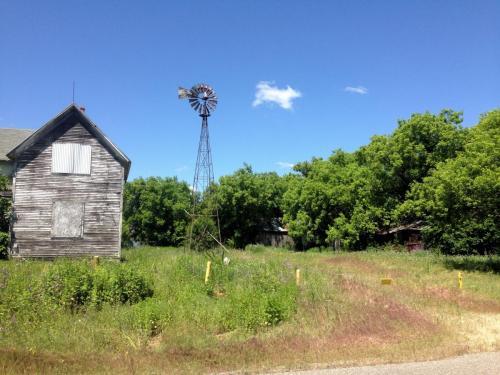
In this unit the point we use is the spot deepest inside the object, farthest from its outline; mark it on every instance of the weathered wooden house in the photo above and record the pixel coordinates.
(67, 188)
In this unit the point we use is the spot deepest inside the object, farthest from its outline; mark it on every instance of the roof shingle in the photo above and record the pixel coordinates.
(10, 138)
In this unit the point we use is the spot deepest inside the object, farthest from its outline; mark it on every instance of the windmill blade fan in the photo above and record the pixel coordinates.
(201, 97)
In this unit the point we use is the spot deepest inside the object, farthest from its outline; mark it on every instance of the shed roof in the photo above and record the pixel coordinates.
(72, 111)
(274, 225)
(416, 226)
(10, 138)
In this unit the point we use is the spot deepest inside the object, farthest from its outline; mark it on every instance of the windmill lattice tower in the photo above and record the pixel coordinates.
(203, 100)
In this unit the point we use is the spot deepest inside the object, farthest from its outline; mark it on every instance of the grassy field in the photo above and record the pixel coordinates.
(153, 313)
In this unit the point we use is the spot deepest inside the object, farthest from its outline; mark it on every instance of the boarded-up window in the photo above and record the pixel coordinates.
(71, 158)
(67, 219)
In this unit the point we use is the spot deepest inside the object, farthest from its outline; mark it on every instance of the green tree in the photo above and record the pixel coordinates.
(351, 195)
(318, 206)
(411, 152)
(246, 200)
(459, 201)
(155, 211)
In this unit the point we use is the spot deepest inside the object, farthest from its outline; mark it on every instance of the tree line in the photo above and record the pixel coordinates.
(430, 169)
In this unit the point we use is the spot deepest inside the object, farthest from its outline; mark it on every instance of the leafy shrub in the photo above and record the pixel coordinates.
(4, 245)
(201, 230)
(147, 316)
(118, 285)
(4, 220)
(267, 298)
(69, 284)
(74, 285)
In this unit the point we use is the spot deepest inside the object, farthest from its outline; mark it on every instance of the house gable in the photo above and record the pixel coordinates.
(71, 116)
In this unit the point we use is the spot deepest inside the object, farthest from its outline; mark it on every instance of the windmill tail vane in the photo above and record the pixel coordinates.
(184, 93)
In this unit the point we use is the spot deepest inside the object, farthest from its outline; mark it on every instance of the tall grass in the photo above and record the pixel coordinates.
(52, 305)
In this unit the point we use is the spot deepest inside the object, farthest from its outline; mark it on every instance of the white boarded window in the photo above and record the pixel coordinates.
(71, 158)
(67, 219)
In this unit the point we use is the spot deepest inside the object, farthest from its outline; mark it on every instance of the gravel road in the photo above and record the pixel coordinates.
(476, 364)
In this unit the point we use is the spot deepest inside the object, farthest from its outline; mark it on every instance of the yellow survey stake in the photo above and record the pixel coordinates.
(207, 272)
(386, 281)
(297, 276)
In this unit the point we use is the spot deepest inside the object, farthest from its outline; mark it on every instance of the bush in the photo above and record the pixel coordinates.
(202, 229)
(76, 285)
(4, 245)
(147, 316)
(267, 298)
(4, 220)
(69, 284)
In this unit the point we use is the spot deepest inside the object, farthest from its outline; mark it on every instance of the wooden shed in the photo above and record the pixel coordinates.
(67, 190)
(273, 233)
(410, 235)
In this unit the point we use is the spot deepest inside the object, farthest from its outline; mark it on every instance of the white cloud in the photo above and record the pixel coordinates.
(267, 93)
(284, 164)
(357, 90)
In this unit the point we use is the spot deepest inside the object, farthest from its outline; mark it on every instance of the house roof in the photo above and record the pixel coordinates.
(72, 112)
(10, 138)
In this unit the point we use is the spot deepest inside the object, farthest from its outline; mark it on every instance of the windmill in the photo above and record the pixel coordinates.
(203, 100)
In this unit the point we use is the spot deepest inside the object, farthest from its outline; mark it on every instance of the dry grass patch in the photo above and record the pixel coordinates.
(462, 299)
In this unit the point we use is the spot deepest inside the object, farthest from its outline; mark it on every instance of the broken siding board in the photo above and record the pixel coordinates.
(37, 188)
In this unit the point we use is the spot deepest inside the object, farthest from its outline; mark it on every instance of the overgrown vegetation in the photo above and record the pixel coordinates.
(153, 312)
(4, 219)
(155, 211)
(243, 296)
(430, 169)
(77, 285)
(246, 201)
(460, 200)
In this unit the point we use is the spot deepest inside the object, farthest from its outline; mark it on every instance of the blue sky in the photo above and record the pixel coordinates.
(128, 58)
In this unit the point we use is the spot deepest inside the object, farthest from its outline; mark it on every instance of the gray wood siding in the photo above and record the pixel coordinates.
(36, 188)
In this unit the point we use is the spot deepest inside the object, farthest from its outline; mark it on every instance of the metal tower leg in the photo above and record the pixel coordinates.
(203, 177)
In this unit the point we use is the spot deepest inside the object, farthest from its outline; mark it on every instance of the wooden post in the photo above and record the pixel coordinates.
(460, 280)
(297, 276)
(207, 272)
(95, 261)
